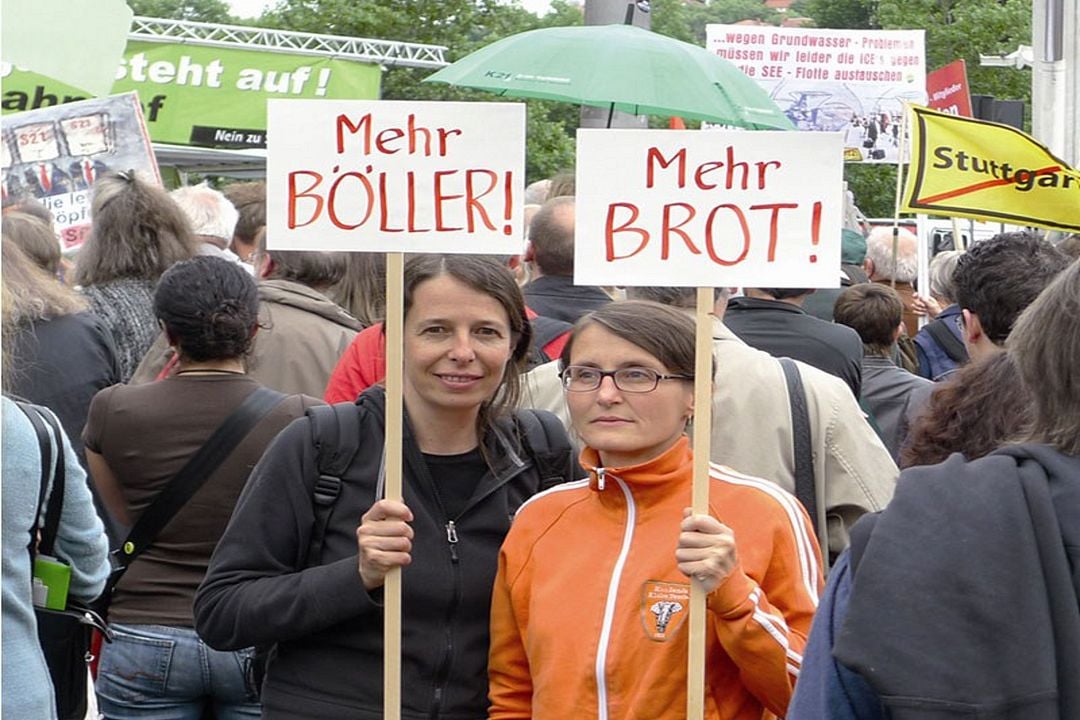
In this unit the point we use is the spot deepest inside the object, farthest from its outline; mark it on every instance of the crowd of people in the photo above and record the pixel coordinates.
(223, 415)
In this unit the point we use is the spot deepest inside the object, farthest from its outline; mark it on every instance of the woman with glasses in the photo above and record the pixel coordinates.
(590, 603)
(469, 462)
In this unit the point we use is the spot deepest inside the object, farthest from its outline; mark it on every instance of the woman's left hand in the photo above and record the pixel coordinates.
(706, 550)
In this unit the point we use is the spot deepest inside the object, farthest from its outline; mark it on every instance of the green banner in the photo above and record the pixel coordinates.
(208, 96)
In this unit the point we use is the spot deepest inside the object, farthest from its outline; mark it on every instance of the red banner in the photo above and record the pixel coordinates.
(947, 89)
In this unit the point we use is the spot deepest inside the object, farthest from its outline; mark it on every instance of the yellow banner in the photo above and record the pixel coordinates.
(969, 168)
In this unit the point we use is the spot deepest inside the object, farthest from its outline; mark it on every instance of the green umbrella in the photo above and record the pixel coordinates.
(620, 67)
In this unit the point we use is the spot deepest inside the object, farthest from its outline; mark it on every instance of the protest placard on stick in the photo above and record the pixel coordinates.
(395, 177)
(706, 210)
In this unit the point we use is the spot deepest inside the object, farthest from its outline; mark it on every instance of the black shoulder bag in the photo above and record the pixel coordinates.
(64, 635)
(187, 482)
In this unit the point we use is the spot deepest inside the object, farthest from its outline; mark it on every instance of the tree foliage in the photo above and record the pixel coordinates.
(211, 11)
(955, 29)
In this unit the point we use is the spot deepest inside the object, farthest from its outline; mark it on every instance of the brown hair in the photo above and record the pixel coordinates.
(486, 275)
(362, 289)
(980, 407)
(36, 239)
(33, 293)
(313, 268)
(664, 332)
(1045, 344)
(137, 232)
(872, 310)
(250, 201)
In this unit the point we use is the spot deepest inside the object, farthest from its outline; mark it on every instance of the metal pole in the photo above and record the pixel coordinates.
(613, 12)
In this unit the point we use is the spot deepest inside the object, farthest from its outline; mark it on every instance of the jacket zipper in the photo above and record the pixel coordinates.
(443, 674)
(612, 596)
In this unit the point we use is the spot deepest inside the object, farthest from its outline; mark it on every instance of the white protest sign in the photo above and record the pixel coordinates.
(852, 81)
(387, 176)
(708, 209)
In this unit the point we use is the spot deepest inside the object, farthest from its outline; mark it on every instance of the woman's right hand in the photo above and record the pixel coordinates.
(385, 541)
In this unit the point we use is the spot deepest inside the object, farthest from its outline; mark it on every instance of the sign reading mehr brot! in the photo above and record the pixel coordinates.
(384, 176)
(708, 209)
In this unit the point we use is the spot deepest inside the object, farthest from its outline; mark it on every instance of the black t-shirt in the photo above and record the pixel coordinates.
(456, 478)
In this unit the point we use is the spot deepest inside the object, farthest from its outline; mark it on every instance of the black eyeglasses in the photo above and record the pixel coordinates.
(580, 378)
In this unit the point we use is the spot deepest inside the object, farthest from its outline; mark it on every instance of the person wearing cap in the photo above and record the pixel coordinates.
(852, 255)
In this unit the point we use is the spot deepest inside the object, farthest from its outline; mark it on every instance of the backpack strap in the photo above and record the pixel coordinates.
(56, 501)
(546, 329)
(805, 489)
(335, 430)
(545, 441)
(944, 337)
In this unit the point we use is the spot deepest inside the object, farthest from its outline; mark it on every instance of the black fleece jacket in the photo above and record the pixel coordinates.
(965, 600)
(327, 628)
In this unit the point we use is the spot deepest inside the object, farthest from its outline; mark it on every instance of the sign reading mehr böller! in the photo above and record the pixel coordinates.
(385, 176)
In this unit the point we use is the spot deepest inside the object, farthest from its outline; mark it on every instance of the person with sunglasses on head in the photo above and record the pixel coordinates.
(592, 594)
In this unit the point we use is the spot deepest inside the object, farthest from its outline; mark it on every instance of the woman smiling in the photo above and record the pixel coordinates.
(588, 615)
(469, 463)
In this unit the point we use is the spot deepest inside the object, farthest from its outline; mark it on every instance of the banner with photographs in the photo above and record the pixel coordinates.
(849, 81)
(56, 153)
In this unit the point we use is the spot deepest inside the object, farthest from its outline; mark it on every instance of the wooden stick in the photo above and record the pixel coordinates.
(703, 371)
(900, 156)
(395, 263)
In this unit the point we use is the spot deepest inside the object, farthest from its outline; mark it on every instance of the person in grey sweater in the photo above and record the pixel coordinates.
(876, 313)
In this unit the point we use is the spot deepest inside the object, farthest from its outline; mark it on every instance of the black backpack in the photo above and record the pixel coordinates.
(336, 432)
(545, 330)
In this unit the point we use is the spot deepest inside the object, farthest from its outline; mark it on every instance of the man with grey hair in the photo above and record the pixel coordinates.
(882, 267)
(753, 430)
(212, 218)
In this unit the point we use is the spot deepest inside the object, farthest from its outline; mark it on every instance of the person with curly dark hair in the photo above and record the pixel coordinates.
(137, 438)
(979, 407)
(996, 279)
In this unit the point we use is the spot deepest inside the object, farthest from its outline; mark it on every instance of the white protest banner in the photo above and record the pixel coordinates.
(854, 81)
(386, 176)
(57, 153)
(708, 209)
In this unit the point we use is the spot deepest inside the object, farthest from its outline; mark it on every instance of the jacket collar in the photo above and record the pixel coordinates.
(748, 303)
(661, 472)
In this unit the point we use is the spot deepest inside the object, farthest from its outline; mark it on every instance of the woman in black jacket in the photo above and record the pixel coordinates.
(294, 570)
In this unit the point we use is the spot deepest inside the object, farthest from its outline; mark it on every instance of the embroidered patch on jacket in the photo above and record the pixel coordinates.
(664, 606)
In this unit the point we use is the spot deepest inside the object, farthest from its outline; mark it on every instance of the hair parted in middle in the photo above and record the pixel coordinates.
(209, 307)
(664, 332)
(486, 275)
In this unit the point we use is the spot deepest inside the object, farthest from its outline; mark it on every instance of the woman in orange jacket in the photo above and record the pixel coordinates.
(592, 593)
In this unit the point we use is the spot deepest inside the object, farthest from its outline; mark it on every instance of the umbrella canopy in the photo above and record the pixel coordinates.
(621, 67)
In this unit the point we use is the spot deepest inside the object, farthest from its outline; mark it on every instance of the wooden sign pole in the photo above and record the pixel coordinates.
(703, 376)
(395, 263)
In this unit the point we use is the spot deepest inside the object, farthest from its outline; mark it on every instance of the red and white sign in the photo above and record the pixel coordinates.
(947, 89)
(708, 209)
(386, 176)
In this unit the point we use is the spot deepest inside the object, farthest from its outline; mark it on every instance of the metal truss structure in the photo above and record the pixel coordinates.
(387, 53)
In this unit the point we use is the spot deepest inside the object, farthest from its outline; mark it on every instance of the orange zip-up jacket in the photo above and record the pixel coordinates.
(588, 617)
